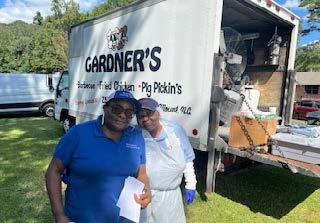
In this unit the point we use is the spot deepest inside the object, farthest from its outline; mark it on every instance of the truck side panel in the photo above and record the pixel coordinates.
(134, 49)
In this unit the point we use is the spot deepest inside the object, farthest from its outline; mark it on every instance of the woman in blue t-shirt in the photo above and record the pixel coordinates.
(98, 156)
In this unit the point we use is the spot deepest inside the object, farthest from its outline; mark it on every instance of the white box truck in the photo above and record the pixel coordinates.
(27, 92)
(177, 52)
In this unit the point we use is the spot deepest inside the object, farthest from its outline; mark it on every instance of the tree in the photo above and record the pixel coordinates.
(313, 6)
(56, 8)
(31, 48)
(109, 5)
(308, 58)
(16, 44)
(71, 14)
(64, 14)
(46, 56)
(38, 19)
(54, 21)
(42, 46)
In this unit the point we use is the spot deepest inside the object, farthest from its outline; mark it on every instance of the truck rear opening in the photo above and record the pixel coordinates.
(258, 22)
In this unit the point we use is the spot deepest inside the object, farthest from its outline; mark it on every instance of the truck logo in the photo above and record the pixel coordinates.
(117, 38)
(123, 60)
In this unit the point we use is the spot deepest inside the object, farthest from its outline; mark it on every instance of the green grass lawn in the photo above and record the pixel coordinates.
(25, 148)
(257, 194)
(261, 193)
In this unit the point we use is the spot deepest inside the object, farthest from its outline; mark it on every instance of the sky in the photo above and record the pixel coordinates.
(11, 10)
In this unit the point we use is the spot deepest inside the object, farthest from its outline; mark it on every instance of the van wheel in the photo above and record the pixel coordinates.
(68, 122)
(48, 110)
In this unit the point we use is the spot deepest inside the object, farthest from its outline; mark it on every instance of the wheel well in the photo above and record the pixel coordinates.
(44, 103)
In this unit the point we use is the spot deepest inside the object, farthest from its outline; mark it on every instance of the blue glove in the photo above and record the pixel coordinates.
(190, 195)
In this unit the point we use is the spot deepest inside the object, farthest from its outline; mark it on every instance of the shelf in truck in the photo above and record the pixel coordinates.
(303, 168)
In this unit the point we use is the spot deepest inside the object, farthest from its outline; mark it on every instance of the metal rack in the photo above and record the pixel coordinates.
(303, 168)
(214, 161)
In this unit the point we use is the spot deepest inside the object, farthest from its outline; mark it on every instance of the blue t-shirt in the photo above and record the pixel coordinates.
(98, 167)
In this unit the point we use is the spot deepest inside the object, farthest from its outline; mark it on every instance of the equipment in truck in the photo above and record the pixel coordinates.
(298, 143)
(234, 52)
(274, 48)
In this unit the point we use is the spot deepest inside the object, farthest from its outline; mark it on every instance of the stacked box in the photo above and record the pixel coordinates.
(238, 139)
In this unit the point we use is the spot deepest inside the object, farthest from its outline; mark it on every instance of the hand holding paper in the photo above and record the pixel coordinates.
(129, 208)
(143, 199)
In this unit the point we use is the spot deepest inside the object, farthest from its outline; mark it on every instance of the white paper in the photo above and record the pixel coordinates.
(129, 208)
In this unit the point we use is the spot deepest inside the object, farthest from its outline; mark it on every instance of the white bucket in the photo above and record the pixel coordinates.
(273, 110)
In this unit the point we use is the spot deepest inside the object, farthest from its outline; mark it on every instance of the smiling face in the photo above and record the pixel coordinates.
(118, 115)
(149, 120)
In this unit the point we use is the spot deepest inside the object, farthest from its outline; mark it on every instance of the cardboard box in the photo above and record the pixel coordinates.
(237, 138)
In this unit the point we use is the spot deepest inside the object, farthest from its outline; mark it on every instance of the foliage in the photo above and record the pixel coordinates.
(313, 6)
(54, 56)
(108, 6)
(38, 19)
(56, 8)
(43, 45)
(308, 58)
(16, 44)
(64, 14)
(31, 48)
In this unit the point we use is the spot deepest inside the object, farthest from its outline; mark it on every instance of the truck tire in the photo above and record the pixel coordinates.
(68, 122)
(48, 109)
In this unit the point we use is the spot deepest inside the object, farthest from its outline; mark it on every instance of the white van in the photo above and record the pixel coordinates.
(27, 92)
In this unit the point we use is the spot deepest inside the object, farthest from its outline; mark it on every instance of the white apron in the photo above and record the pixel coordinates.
(165, 165)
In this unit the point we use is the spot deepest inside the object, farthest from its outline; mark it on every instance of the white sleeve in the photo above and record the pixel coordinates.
(190, 176)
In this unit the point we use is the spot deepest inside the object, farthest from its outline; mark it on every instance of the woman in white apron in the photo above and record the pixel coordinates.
(169, 155)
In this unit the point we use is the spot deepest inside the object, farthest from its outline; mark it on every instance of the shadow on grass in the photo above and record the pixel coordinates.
(21, 114)
(269, 190)
(25, 150)
(200, 165)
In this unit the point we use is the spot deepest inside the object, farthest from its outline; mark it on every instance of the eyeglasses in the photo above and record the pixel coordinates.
(145, 114)
(118, 109)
